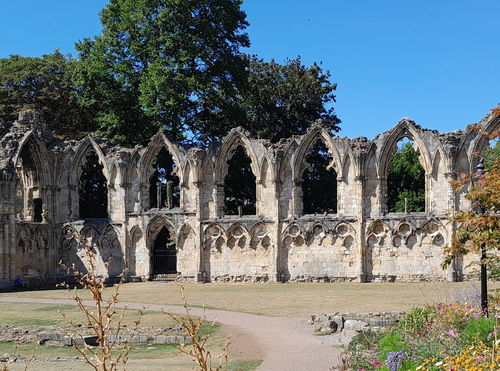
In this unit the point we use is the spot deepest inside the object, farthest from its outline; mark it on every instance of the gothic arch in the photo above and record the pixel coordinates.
(163, 255)
(234, 139)
(154, 227)
(405, 128)
(154, 147)
(481, 141)
(132, 169)
(316, 133)
(184, 230)
(285, 160)
(32, 143)
(135, 236)
(34, 175)
(86, 146)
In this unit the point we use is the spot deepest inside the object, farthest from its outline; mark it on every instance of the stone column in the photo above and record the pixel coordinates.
(382, 196)
(7, 229)
(297, 194)
(359, 185)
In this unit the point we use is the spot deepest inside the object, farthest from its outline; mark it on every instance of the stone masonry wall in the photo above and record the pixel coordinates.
(361, 242)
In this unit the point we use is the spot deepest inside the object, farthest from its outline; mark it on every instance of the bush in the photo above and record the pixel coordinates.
(430, 338)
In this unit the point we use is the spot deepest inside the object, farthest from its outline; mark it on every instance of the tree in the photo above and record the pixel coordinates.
(45, 84)
(158, 63)
(492, 155)
(275, 102)
(480, 230)
(406, 180)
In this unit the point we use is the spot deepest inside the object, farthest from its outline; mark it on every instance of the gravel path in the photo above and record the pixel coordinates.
(282, 343)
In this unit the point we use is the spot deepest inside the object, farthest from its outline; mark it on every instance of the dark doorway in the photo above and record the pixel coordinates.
(239, 185)
(37, 210)
(164, 259)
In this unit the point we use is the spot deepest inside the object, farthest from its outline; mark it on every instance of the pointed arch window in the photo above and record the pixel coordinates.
(239, 185)
(92, 189)
(406, 179)
(164, 186)
(30, 183)
(319, 181)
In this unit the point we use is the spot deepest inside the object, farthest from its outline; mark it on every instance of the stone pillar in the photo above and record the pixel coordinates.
(7, 229)
(219, 199)
(359, 184)
(297, 194)
(277, 246)
(382, 196)
(340, 196)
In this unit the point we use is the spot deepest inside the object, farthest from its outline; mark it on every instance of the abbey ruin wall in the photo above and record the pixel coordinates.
(40, 216)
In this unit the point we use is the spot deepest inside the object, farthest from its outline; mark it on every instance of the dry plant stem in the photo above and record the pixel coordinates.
(27, 362)
(102, 319)
(198, 350)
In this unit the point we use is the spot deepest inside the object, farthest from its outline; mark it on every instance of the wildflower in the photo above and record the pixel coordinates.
(377, 364)
(452, 333)
(438, 363)
(394, 360)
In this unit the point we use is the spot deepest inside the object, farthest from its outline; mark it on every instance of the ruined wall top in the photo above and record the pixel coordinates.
(31, 127)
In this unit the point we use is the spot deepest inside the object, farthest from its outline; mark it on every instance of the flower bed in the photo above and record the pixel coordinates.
(438, 337)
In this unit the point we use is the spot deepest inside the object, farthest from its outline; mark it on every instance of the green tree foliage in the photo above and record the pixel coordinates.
(93, 189)
(158, 63)
(406, 179)
(276, 101)
(165, 171)
(480, 226)
(319, 185)
(45, 84)
(492, 154)
(239, 184)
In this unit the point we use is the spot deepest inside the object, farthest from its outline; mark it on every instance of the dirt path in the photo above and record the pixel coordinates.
(282, 343)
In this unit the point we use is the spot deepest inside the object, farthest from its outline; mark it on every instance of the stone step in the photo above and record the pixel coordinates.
(164, 277)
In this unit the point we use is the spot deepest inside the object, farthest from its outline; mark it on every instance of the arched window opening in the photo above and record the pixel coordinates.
(164, 189)
(319, 181)
(239, 185)
(93, 189)
(164, 259)
(37, 210)
(492, 153)
(28, 186)
(406, 179)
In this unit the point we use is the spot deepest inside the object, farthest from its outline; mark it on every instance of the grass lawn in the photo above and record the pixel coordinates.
(141, 358)
(289, 299)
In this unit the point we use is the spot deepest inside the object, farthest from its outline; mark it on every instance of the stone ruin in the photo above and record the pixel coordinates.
(153, 230)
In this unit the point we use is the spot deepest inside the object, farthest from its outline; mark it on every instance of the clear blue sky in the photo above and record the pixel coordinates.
(437, 62)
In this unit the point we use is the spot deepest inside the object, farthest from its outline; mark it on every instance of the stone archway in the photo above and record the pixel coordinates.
(162, 249)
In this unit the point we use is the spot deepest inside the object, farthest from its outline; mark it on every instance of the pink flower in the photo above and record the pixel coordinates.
(377, 364)
(452, 333)
(372, 347)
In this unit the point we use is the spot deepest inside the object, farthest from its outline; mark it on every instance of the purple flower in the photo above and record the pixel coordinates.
(394, 360)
